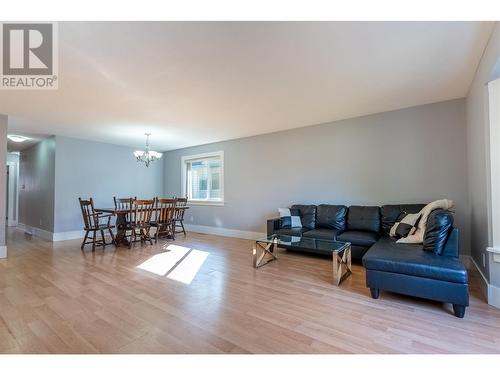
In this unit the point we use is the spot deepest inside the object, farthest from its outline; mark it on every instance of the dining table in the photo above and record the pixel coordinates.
(121, 221)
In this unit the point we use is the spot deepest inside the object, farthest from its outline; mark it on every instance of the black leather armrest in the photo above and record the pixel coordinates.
(273, 225)
(451, 248)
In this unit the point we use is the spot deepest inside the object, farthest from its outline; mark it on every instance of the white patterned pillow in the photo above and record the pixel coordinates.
(290, 218)
(405, 225)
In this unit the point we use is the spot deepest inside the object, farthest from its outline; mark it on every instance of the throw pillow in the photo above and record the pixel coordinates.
(418, 237)
(290, 218)
(405, 225)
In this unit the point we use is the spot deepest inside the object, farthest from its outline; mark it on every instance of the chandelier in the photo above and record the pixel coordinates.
(147, 156)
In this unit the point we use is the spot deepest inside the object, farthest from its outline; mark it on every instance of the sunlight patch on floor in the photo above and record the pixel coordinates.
(162, 263)
(189, 267)
(177, 263)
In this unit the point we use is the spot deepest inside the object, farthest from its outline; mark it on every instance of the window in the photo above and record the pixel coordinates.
(203, 178)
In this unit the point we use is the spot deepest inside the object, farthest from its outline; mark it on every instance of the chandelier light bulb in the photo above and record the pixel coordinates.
(147, 156)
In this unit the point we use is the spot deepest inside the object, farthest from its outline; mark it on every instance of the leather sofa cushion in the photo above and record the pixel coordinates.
(409, 259)
(307, 215)
(439, 226)
(291, 231)
(389, 213)
(359, 238)
(331, 217)
(322, 234)
(364, 218)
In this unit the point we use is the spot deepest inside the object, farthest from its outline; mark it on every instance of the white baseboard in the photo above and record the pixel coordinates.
(12, 223)
(484, 281)
(3, 251)
(38, 232)
(65, 236)
(50, 236)
(78, 234)
(224, 232)
(492, 293)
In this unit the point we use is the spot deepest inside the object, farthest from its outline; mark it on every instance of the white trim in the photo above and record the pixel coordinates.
(479, 270)
(3, 251)
(494, 158)
(50, 236)
(203, 156)
(16, 164)
(65, 236)
(224, 232)
(492, 293)
(17, 185)
(493, 250)
(13, 192)
(38, 232)
(186, 158)
(484, 284)
(79, 234)
(494, 296)
(205, 203)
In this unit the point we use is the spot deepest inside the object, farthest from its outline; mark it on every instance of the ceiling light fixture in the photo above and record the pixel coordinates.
(147, 156)
(17, 138)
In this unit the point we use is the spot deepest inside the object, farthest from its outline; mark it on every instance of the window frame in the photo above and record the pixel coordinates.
(198, 157)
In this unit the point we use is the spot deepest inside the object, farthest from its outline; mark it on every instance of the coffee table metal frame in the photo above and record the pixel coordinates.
(264, 252)
(266, 249)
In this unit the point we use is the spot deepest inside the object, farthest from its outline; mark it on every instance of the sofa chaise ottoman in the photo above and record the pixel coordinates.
(430, 270)
(409, 269)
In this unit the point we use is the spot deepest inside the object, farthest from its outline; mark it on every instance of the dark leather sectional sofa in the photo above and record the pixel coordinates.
(430, 270)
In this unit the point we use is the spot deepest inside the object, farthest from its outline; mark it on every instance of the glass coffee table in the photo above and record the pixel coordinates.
(263, 252)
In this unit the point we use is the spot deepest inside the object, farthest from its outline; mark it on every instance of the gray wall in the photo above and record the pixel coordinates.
(406, 156)
(101, 171)
(3, 176)
(478, 153)
(36, 182)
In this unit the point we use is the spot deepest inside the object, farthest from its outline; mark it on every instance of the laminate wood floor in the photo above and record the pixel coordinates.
(56, 299)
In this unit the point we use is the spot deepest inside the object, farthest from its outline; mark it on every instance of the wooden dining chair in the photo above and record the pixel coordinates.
(164, 218)
(123, 203)
(92, 221)
(140, 214)
(180, 208)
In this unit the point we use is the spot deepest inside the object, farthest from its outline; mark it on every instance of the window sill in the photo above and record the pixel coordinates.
(205, 203)
(493, 250)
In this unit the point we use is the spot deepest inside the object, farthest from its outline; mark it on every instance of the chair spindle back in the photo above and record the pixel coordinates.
(141, 211)
(180, 206)
(123, 203)
(90, 216)
(165, 210)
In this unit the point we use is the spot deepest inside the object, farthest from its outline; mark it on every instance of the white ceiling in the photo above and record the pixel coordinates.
(32, 140)
(200, 82)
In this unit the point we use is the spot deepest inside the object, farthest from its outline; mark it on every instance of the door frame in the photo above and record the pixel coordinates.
(13, 189)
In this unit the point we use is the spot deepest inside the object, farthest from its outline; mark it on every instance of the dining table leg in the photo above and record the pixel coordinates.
(121, 230)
